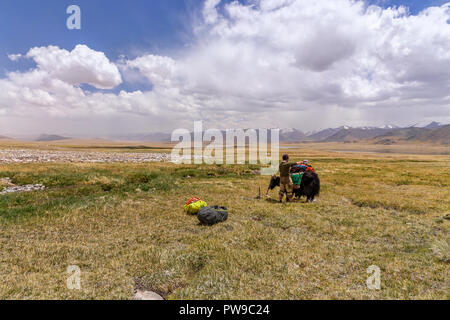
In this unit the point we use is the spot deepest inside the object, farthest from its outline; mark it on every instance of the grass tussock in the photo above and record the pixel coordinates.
(441, 250)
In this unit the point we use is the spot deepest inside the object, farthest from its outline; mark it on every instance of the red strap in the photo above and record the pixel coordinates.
(192, 200)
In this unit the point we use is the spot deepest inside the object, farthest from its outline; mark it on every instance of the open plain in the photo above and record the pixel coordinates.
(121, 221)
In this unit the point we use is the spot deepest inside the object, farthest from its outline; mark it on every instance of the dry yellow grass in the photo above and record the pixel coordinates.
(124, 226)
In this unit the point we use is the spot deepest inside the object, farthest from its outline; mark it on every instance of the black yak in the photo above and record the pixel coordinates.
(310, 186)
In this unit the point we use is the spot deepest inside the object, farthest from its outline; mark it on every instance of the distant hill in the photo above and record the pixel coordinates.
(324, 134)
(406, 134)
(355, 134)
(433, 125)
(4, 138)
(144, 137)
(291, 135)
(441, 134)
(51, 137)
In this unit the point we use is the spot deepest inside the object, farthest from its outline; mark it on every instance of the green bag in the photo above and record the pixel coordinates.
(297, 178)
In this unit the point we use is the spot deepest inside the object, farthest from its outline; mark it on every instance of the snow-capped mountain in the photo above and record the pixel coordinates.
(433, 125)
(291, 135)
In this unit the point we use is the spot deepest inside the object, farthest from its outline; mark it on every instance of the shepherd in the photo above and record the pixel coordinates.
(286, 184)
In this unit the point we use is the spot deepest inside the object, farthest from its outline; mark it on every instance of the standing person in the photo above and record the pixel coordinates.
(286, 185)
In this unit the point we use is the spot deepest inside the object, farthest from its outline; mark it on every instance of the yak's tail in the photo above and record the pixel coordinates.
(317, 184)
(314, 184)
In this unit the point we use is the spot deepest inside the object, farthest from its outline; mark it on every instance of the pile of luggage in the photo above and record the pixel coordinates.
(207, 215)
(302, 166)
(298, 170)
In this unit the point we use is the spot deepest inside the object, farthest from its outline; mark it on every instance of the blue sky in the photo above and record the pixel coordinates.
(414, 5)
(114, 27)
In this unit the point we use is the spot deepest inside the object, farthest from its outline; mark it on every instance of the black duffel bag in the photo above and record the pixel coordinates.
(212, 215)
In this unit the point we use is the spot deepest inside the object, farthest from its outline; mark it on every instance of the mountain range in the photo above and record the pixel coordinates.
(440, 134)
(433, 132)
(389, 134)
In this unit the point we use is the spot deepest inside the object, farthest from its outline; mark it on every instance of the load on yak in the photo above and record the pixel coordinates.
(296, 180)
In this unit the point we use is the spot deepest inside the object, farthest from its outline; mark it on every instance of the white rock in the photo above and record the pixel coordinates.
(26, 188)
(147, 295)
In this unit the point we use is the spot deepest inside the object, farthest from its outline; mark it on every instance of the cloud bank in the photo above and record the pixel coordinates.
(286, 63)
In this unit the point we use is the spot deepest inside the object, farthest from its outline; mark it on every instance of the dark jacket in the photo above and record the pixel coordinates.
(285, 169)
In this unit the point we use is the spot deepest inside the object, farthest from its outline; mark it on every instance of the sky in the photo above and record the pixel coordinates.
(155, 66)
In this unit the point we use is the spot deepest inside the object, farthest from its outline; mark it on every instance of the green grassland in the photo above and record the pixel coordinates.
(124, 226)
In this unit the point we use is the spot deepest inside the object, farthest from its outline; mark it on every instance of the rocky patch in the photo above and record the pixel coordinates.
(26, 188)
(46, 156)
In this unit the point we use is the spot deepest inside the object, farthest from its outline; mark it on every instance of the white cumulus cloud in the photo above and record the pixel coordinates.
(81, 65)
(276, 57)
